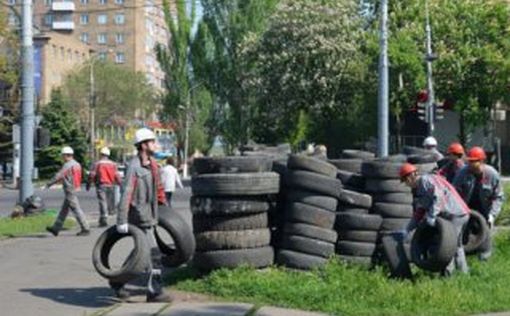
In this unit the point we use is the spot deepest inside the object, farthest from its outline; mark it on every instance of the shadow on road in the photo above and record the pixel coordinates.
(84, 297)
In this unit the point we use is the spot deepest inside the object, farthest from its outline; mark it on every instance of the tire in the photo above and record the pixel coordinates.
(235, 184)
(136, 263)
(312, 198)
(310, 231)
(386, 186)
(300, 162)
(380, 169)
(357, 154)
(367, 262)
(228, 205)
(254, 257)
(350, 165)
(359, 249)
(422, 159)
(349, 209)
(476, 232)
(432, 248)
(398, 158)
(393, 210)
(355, 199)
(351, 221)
(369, 236)
(393, 224)
(310, 181)
(307, 214)
(394, 198)
(236, 239)
(280, 167)
(351, 179)
(426, 168)
(395, 255)
(412, 150)
(309, 246)
(297, 260)
(233, 164)
(228, 223)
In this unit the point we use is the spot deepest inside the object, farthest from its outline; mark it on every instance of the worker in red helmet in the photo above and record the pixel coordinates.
(433, 196)
(480, 186)
(454, 162)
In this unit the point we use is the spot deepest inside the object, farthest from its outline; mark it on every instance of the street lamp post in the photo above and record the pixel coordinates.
(430, 57)
(92, 111)
(383, 108)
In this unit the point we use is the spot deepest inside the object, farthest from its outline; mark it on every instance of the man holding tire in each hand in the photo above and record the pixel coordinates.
(142, 192)
(433, 197)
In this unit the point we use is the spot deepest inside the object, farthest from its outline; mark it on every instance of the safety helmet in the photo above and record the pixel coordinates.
(456, 149)
(430, 142)
(406, 169)
(476, 154)
(67, 151)
(144, 134)
(105, 151)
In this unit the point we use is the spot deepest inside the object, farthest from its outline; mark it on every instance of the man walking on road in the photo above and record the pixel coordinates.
(480, 187)
(70, 177)
(454, 163)
(142, 192)
(105, 176)
(169, 178)
(433, 197)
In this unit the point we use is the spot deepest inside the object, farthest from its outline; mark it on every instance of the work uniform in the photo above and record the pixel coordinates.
(433, 197)
(70, 177)
(169, 178)
(482, 193)
(105, 176)
(450, 169)
(436, 153)
(141, 193)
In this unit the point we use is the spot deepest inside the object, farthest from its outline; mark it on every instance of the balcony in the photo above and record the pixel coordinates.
(63, 26)
(62, 6)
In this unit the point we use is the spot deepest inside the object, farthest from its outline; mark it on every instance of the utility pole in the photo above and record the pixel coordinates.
(27, 106)
(383, 108)
(430, 57)
(186, 137)
(92, 111)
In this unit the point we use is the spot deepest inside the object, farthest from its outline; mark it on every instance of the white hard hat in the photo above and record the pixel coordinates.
(430, 141)
(105, 151)
(144, 134)
(67, 151)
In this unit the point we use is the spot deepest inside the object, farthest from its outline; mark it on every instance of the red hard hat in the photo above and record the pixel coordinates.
(476, 154)
(407, 169)
(456, 149)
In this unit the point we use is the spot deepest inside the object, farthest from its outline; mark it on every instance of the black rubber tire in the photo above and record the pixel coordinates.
(398, 158)
(360, 200)
(393, 224)
(203, 223)
(395, 255)
(312, 198)
(351, 165)
(366, 262)
(297, 260)
(184, 244)
(233, 164)
(357, 154)
(411, 150)
(394, 198)
(432, 248)
(370, 236)
(314, 182)
(300, 162)
(228, 205)
(358, 249)
(350, 209)
(303, 213)
(136, 263)
(225, 184)
(476, 232)
(351, 179)
(309, 246)
(380, 169)
(393, 210)
(351, 221)
(254, 257)
(386, 185)
(422, 159)
(234, 239)
(280, 167)
(310, 231)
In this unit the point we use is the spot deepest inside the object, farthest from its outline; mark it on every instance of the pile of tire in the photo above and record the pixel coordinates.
(230, 203)
(308, 238)
(349, 168)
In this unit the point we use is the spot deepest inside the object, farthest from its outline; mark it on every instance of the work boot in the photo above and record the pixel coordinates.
(83, 233)
(52, 230)
(122, 293)
(103, 222)
(161, 297)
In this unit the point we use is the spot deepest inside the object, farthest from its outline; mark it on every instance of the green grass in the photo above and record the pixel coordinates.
(339, 289)
(504, 216)
(15, 227)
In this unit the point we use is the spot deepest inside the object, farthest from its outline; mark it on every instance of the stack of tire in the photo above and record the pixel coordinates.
(422, 158)
(308, 237)
(349, 168)
(230, 206)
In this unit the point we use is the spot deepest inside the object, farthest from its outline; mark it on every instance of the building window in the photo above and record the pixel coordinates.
(119, 38)
(102, 19)
(119, 1)
(84, 1)
(102, 56)
(119, 18)
(84, 19)
(12, 2)
(102, 1)
(48, 19)
(84, 37)
(48, 2)
(101, 38)
(120, 58)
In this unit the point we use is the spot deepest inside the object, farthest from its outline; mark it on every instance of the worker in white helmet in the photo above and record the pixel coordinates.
(430, 143)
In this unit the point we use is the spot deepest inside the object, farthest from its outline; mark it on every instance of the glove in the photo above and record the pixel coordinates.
(491, 220)
(431, 221)
(122, 228)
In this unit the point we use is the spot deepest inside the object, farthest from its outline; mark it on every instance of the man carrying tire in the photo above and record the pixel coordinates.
(105, 176)
(142, 192)
(454, 162)
(433, 197)
(480, 186)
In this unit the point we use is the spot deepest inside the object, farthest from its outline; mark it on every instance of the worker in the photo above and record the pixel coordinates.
(169, 178)
(454, 162)
(480, 187)
(142, 192)
(430, 143)
(70, 178)
(434, 196)
(105, 176)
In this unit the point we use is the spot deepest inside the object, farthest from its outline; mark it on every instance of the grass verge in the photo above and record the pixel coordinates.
(504, 216)
(339, 289)
(22, 226)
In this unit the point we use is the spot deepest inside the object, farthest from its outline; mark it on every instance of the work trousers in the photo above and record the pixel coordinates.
(459, 260)
(106, 198)
(72, 204)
